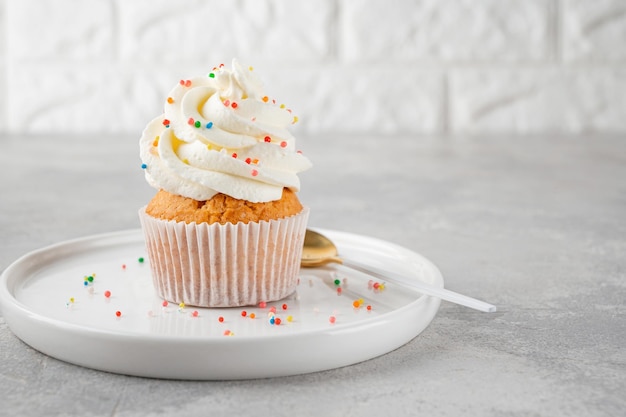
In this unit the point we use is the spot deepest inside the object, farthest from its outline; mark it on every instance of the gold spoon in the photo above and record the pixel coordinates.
(319, 250)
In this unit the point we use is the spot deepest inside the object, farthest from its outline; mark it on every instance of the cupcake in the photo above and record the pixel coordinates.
(225, 227)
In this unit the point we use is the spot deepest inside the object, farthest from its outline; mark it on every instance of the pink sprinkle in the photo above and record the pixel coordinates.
(194, 313)
(164, 303)
(273, 309)
(190, 121)
(123, 266)
(226, 103)
(283, 144)
(262, 304)
(107, 293)
(254, 173)
(187, 83)
(332, 319)
(339, 291)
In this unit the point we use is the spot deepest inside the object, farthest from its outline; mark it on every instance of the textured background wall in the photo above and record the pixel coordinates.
(359, 66)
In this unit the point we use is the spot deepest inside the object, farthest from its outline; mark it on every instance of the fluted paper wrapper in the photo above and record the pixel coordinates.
(224, 265)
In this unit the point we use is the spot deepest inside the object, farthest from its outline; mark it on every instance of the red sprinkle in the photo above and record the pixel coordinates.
(220, 319)
(267, 139)
(107, 293)
(118, 313)
(244, 313)
(248, 160)
(332, 319)
(284, 306)
(277, 321)
(190, 121)
(262, 304)
(234, 155)
(234, 105)
(283, 144)
(194, 313)
(166, 122)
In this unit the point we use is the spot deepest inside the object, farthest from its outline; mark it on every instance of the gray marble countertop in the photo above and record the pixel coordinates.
(534, 225)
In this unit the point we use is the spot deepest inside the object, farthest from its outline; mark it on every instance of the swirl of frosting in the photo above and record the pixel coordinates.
(222, 134)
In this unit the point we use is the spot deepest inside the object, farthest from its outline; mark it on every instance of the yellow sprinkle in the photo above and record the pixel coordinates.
(181, 305)
(186, 161)
(289, 319)
(71, 299)
(282, 106)
(251, 68)
(295, 119)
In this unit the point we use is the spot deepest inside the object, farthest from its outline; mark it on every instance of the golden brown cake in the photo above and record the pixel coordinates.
(221, 208)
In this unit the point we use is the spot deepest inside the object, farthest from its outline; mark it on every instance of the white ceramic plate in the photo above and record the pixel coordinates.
(48, 304)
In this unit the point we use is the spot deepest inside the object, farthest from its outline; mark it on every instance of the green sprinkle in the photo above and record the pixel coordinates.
(197, 124)
(90, 278)
(140, 260)
(337, 282)
(211, 75)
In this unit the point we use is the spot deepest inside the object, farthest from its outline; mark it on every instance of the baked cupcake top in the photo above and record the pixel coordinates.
(220, 133)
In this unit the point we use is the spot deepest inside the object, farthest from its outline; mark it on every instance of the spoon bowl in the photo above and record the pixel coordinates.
(318, 250)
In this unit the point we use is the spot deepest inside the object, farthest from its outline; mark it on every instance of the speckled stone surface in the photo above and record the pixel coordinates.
(534, 225)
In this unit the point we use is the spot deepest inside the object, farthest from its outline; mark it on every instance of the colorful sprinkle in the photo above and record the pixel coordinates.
(283, 144)
(107, 293)
(284, 306)
(170, 100)
(144, 166)
(272, 320)
(267, 139)
(252, 315)
(332, 319)
(118, 313)
(254, 173)
(190, 121)
(295, 119)
(244, 313)
(220, 319)
(289, 319)
(226, 103)
(140, 260)
(181, 305)
(165, 303)
(369, 307)
(166, 122)
(194, 313)
(277, 321)
(265, 98)
(211, 75)
(337, 282)
(209, 125)
(262, 304)
(272, 309)
(234, 155)
(197, 124)
(228, 333)
(339, 290)
(234, 105)
(248, 160)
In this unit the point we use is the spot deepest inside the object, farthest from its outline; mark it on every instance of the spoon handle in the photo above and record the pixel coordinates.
(422, 287)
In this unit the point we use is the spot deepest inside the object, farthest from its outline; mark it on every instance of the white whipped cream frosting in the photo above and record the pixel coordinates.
(220, 133)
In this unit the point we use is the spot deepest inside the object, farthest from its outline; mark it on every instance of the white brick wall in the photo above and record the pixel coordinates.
(357, 66)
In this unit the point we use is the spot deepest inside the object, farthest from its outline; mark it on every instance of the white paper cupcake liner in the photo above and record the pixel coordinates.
(215, 265)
